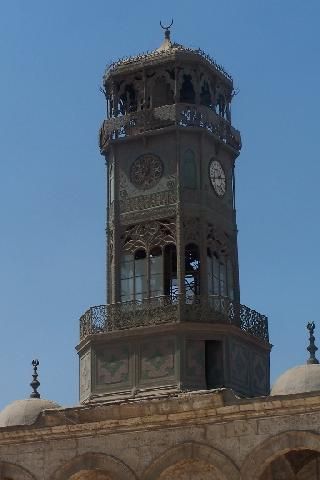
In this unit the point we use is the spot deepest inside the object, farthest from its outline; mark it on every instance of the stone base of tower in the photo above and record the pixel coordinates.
(172, 358)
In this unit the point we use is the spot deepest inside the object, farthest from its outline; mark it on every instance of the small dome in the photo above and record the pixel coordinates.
(300, 379)
(24, 412)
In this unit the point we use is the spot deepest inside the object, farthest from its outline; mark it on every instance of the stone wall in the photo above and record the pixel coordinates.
(199, 435)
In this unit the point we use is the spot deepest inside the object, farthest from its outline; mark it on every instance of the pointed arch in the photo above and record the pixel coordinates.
(223, 466)
(108, 464)
(259, 459)
(16, 472)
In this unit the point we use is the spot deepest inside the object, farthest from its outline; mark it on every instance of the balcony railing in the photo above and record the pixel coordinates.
(173, 309)
(183, 115)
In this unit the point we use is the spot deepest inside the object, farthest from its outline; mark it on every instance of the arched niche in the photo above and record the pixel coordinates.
(94, 466)
(10, 471)
(192, 461)
(289, 453)
(294, 465)
(162, 93)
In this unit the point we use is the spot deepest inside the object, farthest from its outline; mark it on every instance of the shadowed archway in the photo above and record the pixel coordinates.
(289, 453)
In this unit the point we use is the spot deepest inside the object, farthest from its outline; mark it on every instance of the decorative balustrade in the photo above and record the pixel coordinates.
(173, 309)
(183, 115)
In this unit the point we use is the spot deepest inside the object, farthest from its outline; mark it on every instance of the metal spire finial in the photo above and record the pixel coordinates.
(312, 348)
(35, 384)
(166, 29)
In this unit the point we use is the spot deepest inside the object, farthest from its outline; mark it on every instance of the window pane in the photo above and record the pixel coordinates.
(156, 285)
(155, 265)
(127, 289)
(140, 267)
(156, 272)
(141, 285)
(127, 266)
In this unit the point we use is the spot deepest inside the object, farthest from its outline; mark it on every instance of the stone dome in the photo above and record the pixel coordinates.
(24, 412)
(300, 379)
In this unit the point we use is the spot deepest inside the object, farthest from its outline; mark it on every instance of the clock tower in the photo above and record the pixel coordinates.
(173, 319)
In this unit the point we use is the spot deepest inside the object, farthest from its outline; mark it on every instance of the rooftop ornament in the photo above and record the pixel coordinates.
(312, 348)
(166, 30)
(166, 50)
(35, 384)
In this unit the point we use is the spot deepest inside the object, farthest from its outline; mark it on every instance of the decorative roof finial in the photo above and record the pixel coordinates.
(166, 29)
(312, 347)
(35, 384)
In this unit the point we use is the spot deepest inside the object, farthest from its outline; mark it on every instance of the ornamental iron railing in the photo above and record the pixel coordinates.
(181, 114)
(173, 309)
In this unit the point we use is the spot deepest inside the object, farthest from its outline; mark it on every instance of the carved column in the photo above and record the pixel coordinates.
(179, 222)
(203, 226)
(115, 268)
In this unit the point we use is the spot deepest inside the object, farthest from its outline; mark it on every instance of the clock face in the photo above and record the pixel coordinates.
(217, 177)
(146, 171)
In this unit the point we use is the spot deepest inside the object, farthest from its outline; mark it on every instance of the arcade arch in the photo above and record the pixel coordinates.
(10, 471)
(293, 455)
(192, 461)
(94, 466)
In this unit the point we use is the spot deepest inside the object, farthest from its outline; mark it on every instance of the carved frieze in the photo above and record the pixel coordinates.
(148, 215)
(152, 200)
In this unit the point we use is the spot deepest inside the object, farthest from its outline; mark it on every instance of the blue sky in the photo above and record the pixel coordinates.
(52, 196)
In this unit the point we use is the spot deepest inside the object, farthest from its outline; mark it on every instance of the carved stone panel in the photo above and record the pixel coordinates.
(239, 363)
(85, 376)
(157, 360)
(148, 201)
(260, 374)
(112, 365)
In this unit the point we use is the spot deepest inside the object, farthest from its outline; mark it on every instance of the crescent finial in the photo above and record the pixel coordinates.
(166, 27)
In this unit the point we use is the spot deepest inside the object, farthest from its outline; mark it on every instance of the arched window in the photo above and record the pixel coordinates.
(220, 275)
(156, 272)
(187, 93)
(162, 93)
(134, 284)
(192, 271)
(189, 170)
(140, 275)
(127, 278)
(128, 100)
(205, 95)
(170, 270)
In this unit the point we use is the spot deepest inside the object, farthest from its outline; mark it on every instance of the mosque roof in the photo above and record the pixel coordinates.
(302, 378)
(166, 50)
(24, 412)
